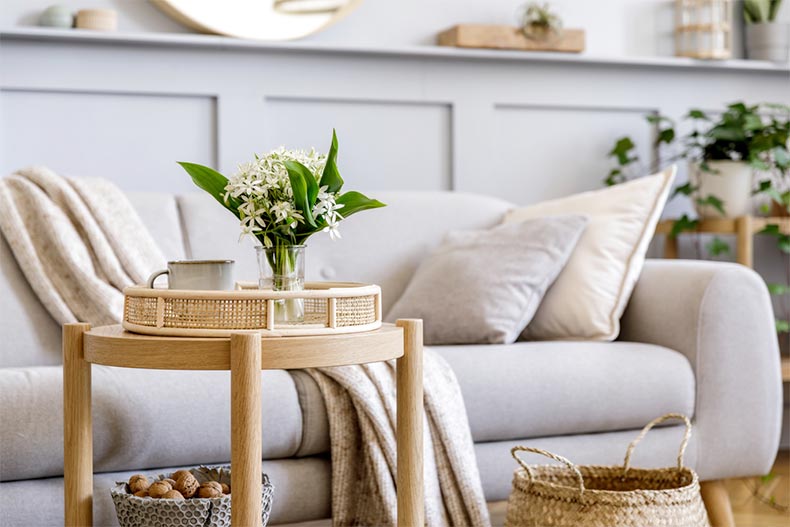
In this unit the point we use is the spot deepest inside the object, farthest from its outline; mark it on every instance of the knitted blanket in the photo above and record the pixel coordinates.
(79, 242)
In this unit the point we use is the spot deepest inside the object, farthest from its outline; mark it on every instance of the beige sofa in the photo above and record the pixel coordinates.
(697, 338)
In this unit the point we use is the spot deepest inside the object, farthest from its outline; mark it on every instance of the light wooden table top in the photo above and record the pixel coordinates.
(114, 346)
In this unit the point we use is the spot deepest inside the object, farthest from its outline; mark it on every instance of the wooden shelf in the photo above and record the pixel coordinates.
(191, 40)
(728, 225)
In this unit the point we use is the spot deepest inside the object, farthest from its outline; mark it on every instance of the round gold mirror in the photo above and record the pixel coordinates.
(257, 19)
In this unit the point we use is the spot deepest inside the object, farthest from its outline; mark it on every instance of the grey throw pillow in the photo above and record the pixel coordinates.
(485, 286)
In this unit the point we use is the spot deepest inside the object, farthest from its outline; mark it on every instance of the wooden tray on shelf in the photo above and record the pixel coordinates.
(329, 307)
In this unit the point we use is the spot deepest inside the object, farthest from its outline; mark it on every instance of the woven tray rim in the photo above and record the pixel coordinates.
(311, 290)
(336, 308)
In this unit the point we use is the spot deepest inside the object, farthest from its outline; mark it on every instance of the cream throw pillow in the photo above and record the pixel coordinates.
(590, 294)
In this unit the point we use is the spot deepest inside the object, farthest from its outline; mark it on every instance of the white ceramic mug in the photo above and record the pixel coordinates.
(211, 275)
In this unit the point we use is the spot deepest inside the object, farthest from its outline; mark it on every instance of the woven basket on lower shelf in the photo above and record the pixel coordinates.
(195, 512)
(605, 496)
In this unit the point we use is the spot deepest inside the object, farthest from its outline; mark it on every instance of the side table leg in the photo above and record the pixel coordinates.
(411, 498)
(77, 429)
(744, 250)
(245, 429)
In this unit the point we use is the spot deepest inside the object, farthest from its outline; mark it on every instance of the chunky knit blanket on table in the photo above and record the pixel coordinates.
(79, 242)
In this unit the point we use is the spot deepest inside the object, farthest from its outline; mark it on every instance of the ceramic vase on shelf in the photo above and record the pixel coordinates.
(281, 268)
(768, 41)
(730, 181)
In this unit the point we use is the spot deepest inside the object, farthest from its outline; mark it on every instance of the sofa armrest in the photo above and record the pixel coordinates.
(719, 315)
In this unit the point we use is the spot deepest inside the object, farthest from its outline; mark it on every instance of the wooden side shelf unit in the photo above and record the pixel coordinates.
(744, 228)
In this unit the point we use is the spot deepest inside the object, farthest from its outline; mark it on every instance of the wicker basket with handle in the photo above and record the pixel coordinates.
(604, 496)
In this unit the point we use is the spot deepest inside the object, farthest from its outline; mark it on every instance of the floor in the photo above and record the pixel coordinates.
(755, 512)
(749, 510)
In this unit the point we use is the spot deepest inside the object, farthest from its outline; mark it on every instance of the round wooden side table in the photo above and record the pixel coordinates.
(245, 353)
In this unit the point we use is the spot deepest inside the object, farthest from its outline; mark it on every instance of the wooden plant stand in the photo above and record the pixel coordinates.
(744, 228)
(245, 354)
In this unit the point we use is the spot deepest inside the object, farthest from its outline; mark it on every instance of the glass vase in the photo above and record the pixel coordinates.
(281, 268)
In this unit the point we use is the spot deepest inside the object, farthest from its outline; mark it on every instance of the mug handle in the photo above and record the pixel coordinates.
(154, 276)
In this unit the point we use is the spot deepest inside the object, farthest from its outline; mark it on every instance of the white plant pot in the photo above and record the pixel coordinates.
(730, 181)
(768, 41)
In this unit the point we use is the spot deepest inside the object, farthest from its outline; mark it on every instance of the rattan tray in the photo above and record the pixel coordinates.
(329, 307)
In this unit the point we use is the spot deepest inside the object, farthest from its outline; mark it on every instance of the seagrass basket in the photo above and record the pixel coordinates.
(606, 496)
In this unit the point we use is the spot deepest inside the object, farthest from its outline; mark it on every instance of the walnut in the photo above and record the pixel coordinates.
(159, 488)
(179, 473)
(137, 483)
(173, 495)
(225, 488)
(187, 484)
(210, 489)
(142, 494)
(171, 481)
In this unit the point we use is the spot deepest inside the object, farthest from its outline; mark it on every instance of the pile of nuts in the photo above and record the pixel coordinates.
(182, 485)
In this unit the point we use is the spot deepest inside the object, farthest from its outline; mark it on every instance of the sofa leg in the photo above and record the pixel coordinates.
(717, 503)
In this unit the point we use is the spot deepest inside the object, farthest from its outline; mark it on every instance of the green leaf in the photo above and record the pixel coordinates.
(354, 202)
(685, 190)
(727, 133)
(331, 175)
(667, 135)
(771, 229)
(621, 149)
(717, 247)
(301, 179)
(782, 326)
(778, 289)
(764, 185)
(712, 201)
(684, 223)
(767, 478)
(781, 157)
(773, 9)
(655, 118)
(758, 10)
(212, 182)
(752, 122)
(615, 176)
(697, 114)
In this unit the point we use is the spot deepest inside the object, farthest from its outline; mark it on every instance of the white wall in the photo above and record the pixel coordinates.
(614, 27)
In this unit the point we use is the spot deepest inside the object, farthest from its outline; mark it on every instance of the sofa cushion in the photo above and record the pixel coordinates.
(536, 389)
(141, 418)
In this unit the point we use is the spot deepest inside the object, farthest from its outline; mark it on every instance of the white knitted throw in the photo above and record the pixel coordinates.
(79, 242)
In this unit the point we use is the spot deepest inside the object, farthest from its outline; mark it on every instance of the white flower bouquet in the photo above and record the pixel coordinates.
(282, 198)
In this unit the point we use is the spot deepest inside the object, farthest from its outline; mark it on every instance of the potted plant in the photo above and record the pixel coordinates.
(281, 198)
(723, 153)
(766, 39)
(720, 153)
(539, 22)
